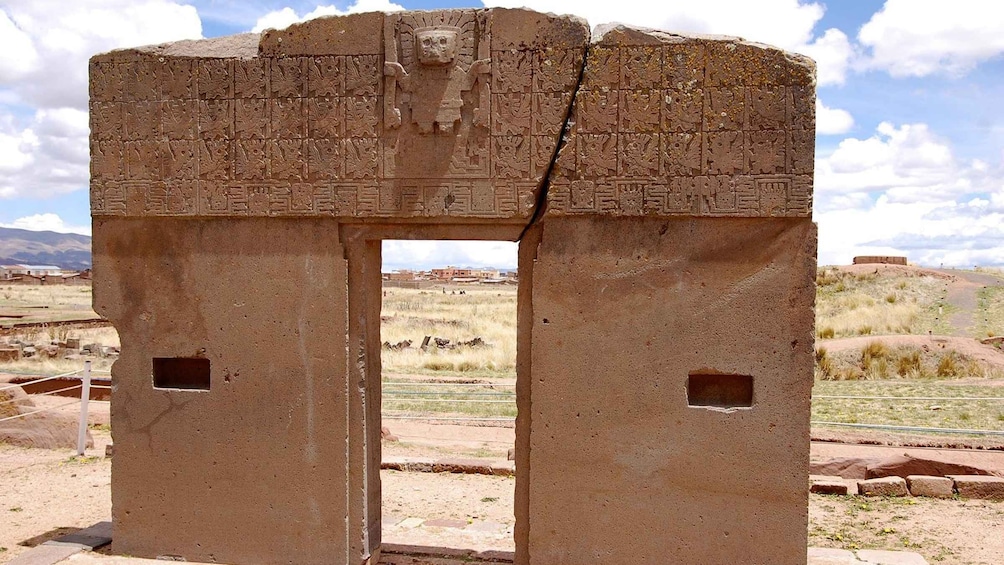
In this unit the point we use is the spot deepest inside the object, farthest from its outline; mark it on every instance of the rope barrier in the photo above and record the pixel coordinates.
(924, 398)
(912, 429)
(39, 410)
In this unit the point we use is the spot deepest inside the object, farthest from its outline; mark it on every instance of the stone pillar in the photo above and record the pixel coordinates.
(239, 455)
(634, 456)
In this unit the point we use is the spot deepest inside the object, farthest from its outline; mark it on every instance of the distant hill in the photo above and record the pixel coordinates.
(65, 250)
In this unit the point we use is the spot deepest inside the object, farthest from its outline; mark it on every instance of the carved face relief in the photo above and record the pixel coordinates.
(436, 46)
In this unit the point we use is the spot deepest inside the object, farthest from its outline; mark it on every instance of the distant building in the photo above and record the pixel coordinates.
(879, 259)
(451, 273)
(8, 272)
(400, 275)
(42, 270)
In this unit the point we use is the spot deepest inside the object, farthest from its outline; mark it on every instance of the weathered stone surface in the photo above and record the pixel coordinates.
(846, 467)
(591, 435)
(827, 485)
(337, 117)
(189, 464)
(671, 125)
(935, 487)
(241, 188)
(904, 466)
(886, 486)
(976, 486)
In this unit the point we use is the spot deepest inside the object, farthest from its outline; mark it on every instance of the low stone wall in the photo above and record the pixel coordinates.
(965, 486)
(880, 259)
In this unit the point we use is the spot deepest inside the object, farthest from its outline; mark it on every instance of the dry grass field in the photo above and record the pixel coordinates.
(487, 312)
(866, 303)
(25, 303)
(852, 301)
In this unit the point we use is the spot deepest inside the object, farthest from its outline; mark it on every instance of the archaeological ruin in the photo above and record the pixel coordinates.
(660, 188)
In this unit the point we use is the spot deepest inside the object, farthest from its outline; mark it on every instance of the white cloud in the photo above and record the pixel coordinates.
(833, 54)
(788, 24)
(902, 191)
(909, 163)
(403, 254)
(17, 54)
(923, 37)
(47, 157)
(949, 233)
(832, 121)
(279, 19)
(45, 44)
(46, 222)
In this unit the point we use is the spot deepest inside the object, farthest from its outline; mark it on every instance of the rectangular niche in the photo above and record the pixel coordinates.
(720, 391)
(187, 373)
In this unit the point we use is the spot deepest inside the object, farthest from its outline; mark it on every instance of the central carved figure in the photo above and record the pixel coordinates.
(436, 46)
(442, 69)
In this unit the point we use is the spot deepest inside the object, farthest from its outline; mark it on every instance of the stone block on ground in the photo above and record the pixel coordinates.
(822, 484)
(925, 485)
(503, 468)
(905, 465)
(846, 467)
(10, 354)
(886, 486)
(45, 555)
(830, 556)
(979, 486)
(92, 537)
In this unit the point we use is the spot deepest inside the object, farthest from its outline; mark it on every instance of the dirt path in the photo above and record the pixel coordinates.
(962, 294)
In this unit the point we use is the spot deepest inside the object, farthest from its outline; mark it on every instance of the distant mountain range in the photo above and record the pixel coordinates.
(65, 250)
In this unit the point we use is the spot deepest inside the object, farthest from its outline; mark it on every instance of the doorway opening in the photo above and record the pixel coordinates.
(448, 333)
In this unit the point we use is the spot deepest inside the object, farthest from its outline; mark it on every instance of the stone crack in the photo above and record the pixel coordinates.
(566, 128)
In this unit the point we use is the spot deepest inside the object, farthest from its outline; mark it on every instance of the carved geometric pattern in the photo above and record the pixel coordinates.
(688, 128)
(684, 127)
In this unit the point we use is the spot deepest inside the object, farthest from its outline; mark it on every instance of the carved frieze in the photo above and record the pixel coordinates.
(449, 115)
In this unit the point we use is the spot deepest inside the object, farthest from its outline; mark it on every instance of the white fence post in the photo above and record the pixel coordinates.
(85, 396)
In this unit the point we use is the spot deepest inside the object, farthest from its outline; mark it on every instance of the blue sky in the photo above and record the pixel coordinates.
(910, 138)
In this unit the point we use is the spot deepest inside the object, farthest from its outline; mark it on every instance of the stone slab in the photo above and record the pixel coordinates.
(830, 556)
(886, 486)
(979, 486)
(410, 523)
(827, 485)
(91, 537)
(882, 557)
(445, 523)
(45, 555)
(934, 487)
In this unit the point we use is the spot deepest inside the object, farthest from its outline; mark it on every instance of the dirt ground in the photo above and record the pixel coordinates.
(46, 492)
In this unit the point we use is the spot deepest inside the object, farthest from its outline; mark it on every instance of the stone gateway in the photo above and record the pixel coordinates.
(660, 188)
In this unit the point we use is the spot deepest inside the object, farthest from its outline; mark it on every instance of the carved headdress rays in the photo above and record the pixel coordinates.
(467, 35)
